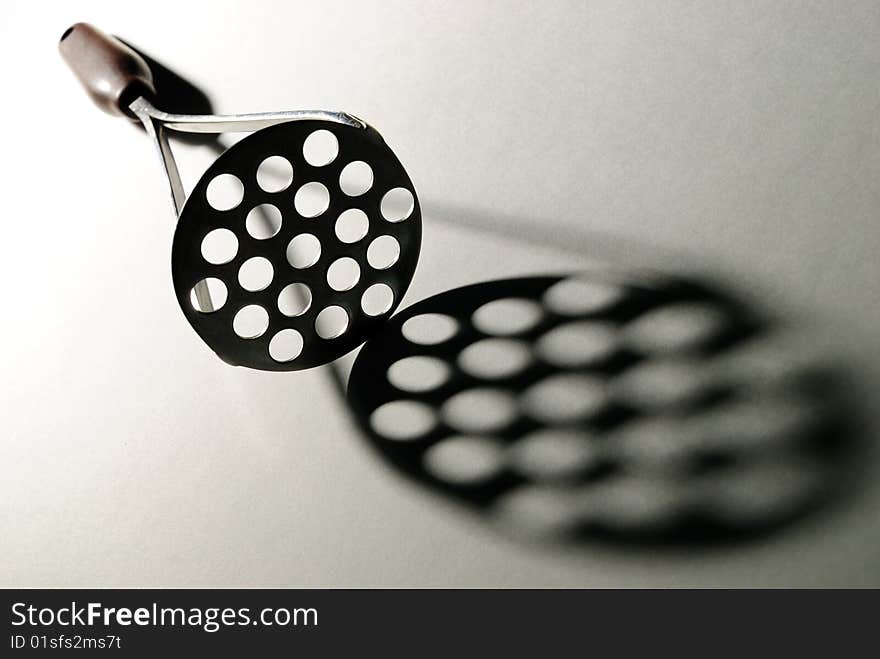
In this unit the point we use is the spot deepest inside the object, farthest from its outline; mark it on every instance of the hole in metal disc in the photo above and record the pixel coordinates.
(286, 345)
(331, 322)
(352, 225)
(224, 192)
(383, 252)
(397, 204)
(219, 246)
(251, 321)
(312, 199)
(303, 251)
(294, 299)
(343, 274)
(356, 178)
(377, 299)
(320, 148)
(264, 221)
(275, 174)
(255, 274)
(216, 291)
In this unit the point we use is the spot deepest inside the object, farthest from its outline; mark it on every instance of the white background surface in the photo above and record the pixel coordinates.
(738, 137)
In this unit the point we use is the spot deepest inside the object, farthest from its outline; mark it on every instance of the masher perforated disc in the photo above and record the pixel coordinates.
(602, 406)
(306, 234)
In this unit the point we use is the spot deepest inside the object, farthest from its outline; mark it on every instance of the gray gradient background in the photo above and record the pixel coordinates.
(736, 138)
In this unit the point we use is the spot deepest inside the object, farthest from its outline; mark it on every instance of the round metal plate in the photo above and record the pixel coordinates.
(198, 218)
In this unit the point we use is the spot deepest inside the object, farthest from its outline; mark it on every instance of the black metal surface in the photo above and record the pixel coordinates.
(819, 443)
(198, 218)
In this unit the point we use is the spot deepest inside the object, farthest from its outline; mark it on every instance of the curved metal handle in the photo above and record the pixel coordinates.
(239, 123)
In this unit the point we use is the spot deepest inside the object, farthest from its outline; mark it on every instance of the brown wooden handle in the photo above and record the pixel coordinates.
(111, 72)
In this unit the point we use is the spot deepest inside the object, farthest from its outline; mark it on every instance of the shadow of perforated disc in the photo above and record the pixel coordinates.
(601, 405)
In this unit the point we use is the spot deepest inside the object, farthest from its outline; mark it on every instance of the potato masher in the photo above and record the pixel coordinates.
(296, 244)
